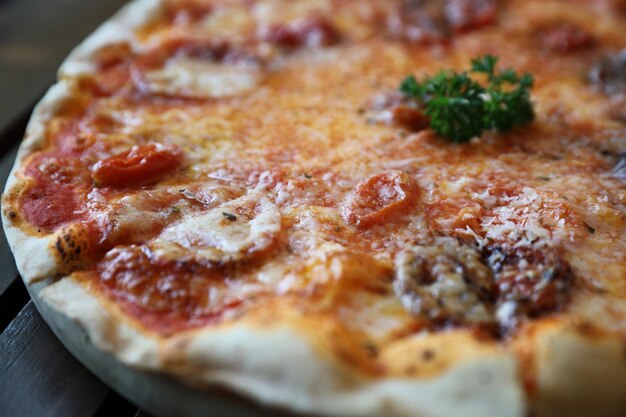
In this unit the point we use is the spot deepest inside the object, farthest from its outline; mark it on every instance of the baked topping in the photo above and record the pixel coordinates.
(395, 109)
(52, 197)
(536, 280)
(461, 108)
(185, 295)
(563, 38)
(229, 149)
(609, 74)
(313, 31)
(198, 69)
(239, 230)
(453, 283)
(446, 282)
(463, 15)
(434, 21)
(141, 165)
(380, 198)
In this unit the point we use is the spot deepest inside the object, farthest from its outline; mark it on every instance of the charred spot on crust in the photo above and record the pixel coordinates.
(71, 248)
(370, 349)
(609, 74)
(428, 355)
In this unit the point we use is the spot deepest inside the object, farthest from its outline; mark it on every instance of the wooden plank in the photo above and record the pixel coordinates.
(115, 405)
(8, 271)
(12, 301)
(35, 37)
(40, 377)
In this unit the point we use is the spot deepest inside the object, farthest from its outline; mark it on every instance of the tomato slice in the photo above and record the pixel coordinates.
(141, 165)
(379, 199)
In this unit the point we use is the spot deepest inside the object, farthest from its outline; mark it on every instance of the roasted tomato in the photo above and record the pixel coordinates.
(142, 165)
(378, 198)
(435, 21)
(536, 280)
(563, 38)
(463, 15)
(395, 109)
(311, 32)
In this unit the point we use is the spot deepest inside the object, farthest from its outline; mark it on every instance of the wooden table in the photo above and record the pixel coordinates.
(38, 377)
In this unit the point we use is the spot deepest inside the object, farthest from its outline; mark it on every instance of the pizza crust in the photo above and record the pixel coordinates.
(576, 372)
(23, 245)
(280, 366)
(118, 30)
(573, 369)
(578, 375)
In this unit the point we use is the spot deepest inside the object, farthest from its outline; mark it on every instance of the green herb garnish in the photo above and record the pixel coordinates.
(460, 108)
(231, 217)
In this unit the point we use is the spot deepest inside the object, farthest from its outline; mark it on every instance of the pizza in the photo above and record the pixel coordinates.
(316, 205)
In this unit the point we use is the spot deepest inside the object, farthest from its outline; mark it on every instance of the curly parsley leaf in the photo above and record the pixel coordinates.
(461, 108)
(485, 64)
(455, 106)
(410, 87)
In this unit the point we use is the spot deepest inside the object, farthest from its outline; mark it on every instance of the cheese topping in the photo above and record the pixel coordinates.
(233, 231)
(218, 173)
(199, 79)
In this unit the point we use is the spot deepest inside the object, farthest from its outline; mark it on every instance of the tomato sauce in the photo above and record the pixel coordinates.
(49, 206)
(53, 197)
(167, 296)
(369, 188)
(142, 165)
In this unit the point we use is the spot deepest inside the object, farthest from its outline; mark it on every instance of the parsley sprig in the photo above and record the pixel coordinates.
(460, 108)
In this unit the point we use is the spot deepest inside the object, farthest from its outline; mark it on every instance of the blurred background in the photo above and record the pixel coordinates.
(35, 36)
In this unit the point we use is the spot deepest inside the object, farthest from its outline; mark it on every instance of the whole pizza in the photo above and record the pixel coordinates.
(341, 207)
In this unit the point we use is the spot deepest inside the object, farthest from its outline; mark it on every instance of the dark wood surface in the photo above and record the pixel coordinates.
(35, 37)
(8, 272)
(38, 377)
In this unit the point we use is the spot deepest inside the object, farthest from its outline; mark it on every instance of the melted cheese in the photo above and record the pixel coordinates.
(290, 145)
(228, 233)
(202, 79)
